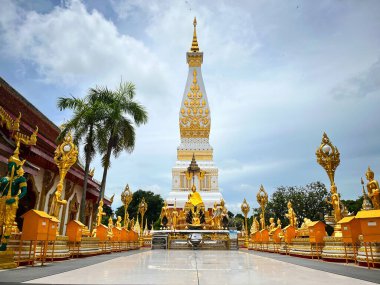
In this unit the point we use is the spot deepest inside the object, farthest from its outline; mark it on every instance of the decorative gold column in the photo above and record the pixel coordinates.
(65, 156)
(143, 206)
(126, 198)
(262, 199)
(328, 157)
(245, 209)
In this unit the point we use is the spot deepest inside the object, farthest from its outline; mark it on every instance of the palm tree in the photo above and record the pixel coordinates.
(117, 132)
(85, 123)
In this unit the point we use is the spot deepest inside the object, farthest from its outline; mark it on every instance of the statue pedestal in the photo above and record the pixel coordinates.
(58, 250)
(369, 254)
(301, 246)
(336, 250)
(7, 259)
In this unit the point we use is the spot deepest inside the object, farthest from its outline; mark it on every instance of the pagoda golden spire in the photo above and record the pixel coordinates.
(194, 44)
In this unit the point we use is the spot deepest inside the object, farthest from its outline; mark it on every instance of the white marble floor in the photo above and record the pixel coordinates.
(196, 267)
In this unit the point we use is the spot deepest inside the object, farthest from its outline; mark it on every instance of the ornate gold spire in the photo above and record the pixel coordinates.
(194, 44)
(195, 116)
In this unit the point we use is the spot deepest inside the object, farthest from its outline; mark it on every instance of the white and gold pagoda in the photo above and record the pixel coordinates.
(195, 125)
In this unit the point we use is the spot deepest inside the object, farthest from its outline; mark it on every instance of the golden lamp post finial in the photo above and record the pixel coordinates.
(126, 198)
(65, 156)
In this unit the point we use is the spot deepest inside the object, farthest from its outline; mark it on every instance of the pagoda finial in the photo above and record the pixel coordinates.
(194, 44)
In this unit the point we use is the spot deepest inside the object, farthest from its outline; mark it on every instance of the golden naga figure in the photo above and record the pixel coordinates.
(13, 187)
(373, 189)
(335, 202)
(291, 215)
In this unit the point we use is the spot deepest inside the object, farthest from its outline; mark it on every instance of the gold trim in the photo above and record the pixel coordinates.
(186, 155)
(6, 119)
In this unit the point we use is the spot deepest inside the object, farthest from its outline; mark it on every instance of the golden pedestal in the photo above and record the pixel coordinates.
(336, 250)
(369, 254)
(7, 259)
(301, 246)
(59, 249)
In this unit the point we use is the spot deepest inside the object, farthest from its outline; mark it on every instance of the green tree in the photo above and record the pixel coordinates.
(308, 202)
(154, 201)
(353, 206)
(85, 123)
(118, 132)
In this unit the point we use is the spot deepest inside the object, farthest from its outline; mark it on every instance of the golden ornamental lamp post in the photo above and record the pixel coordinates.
(328, 157)
(65, 156)
(262, 199)
(143, 206)
(245, 209)
(126, 198)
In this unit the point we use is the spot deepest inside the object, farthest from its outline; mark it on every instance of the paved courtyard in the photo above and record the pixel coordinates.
(192, 267)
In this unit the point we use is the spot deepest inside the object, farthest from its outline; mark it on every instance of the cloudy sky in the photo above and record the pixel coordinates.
(277, 74)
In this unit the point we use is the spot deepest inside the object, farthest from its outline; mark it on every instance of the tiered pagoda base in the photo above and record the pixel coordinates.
(335, 250)
(370, 254)
(301, 246)
(211, 239)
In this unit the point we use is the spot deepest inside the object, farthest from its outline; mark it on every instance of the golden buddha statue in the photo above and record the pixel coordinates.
(255, 226)
(272, 226)
(279, 226)
(373, 189)
(291, 215)
(196, 221)
(335, 202)
(118, 222)
(194, 197)
(100, 213)
(262, 221)
(174, 217)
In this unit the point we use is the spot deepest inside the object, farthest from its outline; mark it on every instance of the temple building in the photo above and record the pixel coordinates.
(195, 125)
(19, 115)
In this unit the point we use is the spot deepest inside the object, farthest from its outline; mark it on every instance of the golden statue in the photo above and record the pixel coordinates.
(291, 215)
(335, 202)
(373, 189)
(255, 226)
(272, 225)
(174, 216)
(110, 226)
(216, 216)
(118, 222)
(164, 216)
(100, 214)
(279, 224)
(13, 187)
(57, 201)
(194, 197)
(306, 223)
(196, 221)
(262, 221)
